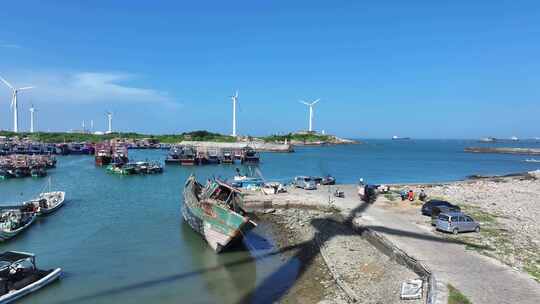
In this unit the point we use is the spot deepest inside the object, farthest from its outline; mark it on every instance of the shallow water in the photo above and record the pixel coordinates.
(120, 239)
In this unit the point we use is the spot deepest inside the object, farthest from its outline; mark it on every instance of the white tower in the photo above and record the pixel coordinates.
(32, 110)
(109, 116)
(234, 101)
(14, 104)
(310, 105)
(92, 126)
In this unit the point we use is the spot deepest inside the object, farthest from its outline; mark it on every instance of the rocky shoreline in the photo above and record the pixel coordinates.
(338, 265)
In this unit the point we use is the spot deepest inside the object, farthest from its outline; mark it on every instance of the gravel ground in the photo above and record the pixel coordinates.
(507, 208)
(372, 276)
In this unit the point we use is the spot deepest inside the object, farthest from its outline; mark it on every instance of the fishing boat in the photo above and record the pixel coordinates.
(174, 155)
(188, 157)
(46, 202)
(38, 172)
(21, 172)
(120, 155)
(15, 219)
(49, 202)
(122, 169)
(249, 156)
(214, 212)
(228, 157)
(103, 156)
(20, 276)
(532, 160)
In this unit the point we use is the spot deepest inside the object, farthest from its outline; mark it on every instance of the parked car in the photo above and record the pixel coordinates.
(456, 222)
(435, 211)
(427, 208)
(305, 182)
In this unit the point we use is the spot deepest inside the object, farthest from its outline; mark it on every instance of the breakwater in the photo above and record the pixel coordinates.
(503, 150)
(257, 146)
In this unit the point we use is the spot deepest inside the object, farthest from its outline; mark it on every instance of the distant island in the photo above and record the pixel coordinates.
(297, 138)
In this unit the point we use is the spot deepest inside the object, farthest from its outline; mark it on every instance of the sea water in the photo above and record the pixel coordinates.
(121, 239)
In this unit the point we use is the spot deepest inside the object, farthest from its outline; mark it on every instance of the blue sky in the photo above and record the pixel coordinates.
(426, 69)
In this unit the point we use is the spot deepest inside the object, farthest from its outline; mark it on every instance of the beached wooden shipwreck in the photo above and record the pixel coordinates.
(215, 212)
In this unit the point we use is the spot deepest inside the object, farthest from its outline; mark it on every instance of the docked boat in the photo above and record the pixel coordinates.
(174, 155)
(122, 169)
(103, 156)
(38, 172)
(249, 156)
(228, 157)
(20, 276)
(148, 168)
(188, 157)
(49, 202)
(21, 172)
(215, 212)
(15, 219)
(120, 155)
(4, 174)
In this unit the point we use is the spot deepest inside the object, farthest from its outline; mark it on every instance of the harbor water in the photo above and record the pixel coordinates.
(120, 239)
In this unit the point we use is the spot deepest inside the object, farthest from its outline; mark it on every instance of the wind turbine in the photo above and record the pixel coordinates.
(14, 104)
(310, 105)
(109, 116)
(234, 101)
(32, 110)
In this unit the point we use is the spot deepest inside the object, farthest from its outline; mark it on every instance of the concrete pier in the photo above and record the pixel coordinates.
(255, 145)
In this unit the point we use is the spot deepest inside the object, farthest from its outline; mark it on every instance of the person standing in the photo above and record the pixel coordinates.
(410, 195)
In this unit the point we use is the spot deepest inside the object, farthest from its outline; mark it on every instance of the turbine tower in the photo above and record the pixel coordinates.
(32, 110)
(109, 116)
(14, 104)
(310, 105)
(234, 101)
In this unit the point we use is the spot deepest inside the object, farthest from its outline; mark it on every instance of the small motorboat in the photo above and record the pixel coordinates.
(13, 220)
(50, 202)
(532, 160)
(20, 276)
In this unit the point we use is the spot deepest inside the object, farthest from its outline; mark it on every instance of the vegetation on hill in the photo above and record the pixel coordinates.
(60, 137)
(303, 137)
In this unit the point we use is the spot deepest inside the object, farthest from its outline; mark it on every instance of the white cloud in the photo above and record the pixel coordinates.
(87, 88)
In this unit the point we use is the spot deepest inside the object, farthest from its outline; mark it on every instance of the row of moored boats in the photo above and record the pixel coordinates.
(19, 274)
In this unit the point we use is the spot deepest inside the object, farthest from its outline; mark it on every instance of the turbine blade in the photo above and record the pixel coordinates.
(25, 88)
(7, 83)
(314, 102)
(307, 104)
(236, 95)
